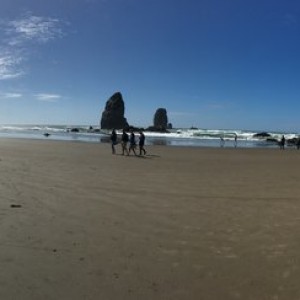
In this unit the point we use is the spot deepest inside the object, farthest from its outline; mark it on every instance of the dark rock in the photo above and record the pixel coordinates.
(113, 115)
(294, 141)
(15, 205)
(262, 135)
(134, 128)
(272, 140)
(74, 130)
(160, 119)
(156, 129)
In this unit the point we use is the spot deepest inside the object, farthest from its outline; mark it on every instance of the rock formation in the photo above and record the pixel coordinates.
(113, 115)
(261, 135)
(160, 119)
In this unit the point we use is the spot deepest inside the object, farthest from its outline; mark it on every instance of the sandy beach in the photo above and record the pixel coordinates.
(181, 223)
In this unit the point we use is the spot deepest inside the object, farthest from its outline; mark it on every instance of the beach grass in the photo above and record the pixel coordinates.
(180, 223)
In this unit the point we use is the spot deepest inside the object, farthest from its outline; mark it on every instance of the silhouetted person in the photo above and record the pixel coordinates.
(235, 140)
(132, 143)
(222, 142)
(113, 138)
(142, 143)
(282, 142)
(298, 143)
(125, 139)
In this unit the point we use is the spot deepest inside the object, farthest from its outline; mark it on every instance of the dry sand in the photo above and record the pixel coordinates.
(181, 223)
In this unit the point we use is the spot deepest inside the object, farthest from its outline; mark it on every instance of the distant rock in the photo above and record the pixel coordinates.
(293, 141)
(134, 128)
(113, 115)
(160, 119)
(262, 135)
(272, 140)
(156, 129)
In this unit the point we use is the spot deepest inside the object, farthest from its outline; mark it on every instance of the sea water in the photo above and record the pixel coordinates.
(176, 137)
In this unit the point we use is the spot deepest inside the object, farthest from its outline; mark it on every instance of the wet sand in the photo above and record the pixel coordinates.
(181, 223)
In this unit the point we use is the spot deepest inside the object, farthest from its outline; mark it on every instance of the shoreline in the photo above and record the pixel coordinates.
(179, 223)
(182, 137)
(157, 141)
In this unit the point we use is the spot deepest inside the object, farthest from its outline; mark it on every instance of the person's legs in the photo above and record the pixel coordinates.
(125, 148)
(113, 148)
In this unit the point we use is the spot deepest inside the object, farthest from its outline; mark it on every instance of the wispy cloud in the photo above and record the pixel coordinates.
(33, 28)
(20, 34)
(10, 65)
(48, 97)
(10, 95)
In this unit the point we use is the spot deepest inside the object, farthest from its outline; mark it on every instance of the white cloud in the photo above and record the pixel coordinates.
(12, 95)
(10, 66)
(15, 48)
(48, 97)
(33, 28)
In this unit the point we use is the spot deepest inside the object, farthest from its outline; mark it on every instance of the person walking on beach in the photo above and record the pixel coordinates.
(282, 142)
(132, 143)
(142, 143)
(235, 140)
(125, 139)
(298, 143)
(222, 142)
(113, 139)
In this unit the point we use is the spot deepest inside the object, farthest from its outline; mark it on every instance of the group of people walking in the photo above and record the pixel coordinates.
(125, 139)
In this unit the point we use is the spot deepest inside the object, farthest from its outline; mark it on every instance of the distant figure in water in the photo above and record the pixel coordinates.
(222, 142)
(125, 139)
(235, 140)
(282, 143)
(142, 143)
(113, 138)
(132, 143)
(298, 143)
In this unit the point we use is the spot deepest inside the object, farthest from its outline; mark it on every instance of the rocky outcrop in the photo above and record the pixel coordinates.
(113, 115)
(261, 135)
(160, 119)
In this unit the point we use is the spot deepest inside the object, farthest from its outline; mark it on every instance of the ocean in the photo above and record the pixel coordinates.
(177, 137)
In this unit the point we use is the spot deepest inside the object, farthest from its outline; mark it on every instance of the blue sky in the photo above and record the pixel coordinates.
(211, 63)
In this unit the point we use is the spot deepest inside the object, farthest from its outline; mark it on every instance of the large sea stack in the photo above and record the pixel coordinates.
(160, 119)
(113, 115)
